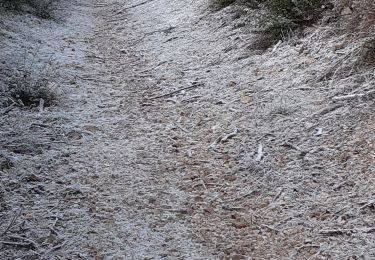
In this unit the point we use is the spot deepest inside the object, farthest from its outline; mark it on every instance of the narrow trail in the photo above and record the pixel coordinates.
(135, 209)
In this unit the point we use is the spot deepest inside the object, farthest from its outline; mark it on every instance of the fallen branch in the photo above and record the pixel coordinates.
(56, 248)
(347, 97)
(11, 222)
(9, 243)
(136, 5)
(292, 146)
(176, 91)
(333, 232)
(228, 136)
(7, 110)
(325, 110)
(353, 96)
(29, 241)
(271, 228)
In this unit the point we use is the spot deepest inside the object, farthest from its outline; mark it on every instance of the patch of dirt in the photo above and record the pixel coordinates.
(173, 140)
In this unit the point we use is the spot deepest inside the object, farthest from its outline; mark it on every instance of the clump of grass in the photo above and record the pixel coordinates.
(274, 31)
(27, 91)
(300, 11)
(285, 17)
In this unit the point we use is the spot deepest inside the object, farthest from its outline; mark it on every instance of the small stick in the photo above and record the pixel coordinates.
(331, 232)
(7, 110)
(228, 136)
(11, 222)
(136, 5)
(259, 153)
(52, 228)
(353, 96)
(41, 105)
(30, 242)
(347, 97)
(56, 247)
(290, 145)
(15, 244)
(325, 110)
(370, 203)
(278, 194)
(271, 228)
(176, 91)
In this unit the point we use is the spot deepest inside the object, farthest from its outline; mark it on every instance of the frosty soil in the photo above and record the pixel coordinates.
(174, 140)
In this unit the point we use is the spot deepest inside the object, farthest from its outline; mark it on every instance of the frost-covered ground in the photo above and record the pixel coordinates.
(173, 139)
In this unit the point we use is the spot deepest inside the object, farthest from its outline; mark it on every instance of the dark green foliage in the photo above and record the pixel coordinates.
(26, 91)
(298, 11)
(220, 4)
(287, 16)
(276, 30)
(40, 8)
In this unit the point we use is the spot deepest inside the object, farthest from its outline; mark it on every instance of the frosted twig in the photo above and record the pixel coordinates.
(259, 153)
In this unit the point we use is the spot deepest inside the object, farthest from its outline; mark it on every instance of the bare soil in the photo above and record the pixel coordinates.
(173, 139)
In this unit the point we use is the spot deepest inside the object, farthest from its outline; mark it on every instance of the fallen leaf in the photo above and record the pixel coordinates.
(33, 177)
(245, 99)
(51, 239)
(232, 84)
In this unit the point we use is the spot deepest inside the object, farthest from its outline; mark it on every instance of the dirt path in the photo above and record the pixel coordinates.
(180, 143)
(133, 208)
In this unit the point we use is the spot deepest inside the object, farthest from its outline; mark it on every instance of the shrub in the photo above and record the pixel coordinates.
(220, 4)
(25, 90)
(285, 17)
(298, 11)
(275, 30)
(40, 8)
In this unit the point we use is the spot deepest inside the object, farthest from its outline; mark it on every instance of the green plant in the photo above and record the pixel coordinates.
(40, 8)
(220, 4)
(298, 11)
(285, 17)
(24, 90)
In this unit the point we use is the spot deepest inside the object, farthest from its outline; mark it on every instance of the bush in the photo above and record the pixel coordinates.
(40, 8)
(27, 91)
(220, 4)
(298, 11)
(274, 31)
(285, 17)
